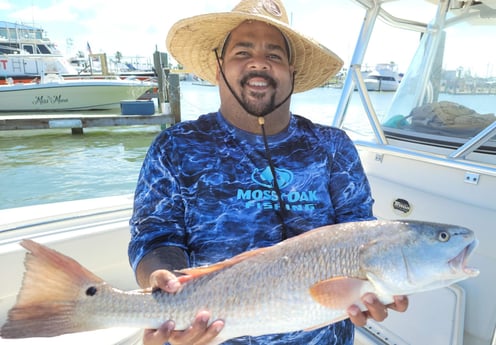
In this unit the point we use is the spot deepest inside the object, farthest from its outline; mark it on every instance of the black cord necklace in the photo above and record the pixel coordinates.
(282, 212)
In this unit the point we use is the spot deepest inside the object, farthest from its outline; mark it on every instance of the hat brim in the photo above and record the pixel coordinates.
(191, 42)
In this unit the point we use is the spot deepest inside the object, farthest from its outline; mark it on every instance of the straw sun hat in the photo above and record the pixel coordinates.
(192, 40)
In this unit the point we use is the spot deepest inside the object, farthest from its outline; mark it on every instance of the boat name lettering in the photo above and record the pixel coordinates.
(57, 99)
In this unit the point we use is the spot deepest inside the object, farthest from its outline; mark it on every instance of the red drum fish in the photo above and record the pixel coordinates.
(302, 283)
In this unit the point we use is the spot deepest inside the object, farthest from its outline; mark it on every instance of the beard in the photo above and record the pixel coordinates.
(257, 103)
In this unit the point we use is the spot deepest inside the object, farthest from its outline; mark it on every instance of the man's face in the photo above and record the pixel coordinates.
(256, 65)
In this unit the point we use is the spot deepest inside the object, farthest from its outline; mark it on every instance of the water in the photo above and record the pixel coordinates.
(50, 166)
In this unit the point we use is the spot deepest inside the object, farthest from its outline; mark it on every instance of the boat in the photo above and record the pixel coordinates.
(421, 163)
(55, 93)
(384, 77)
(26, 52)
(432, 156)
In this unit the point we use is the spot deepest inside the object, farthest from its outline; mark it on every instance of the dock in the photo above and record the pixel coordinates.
(168, 94)
(76, 122)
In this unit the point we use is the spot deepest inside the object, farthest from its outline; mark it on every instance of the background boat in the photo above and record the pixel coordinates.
(384, 77)
(53, 93)
(27, 53)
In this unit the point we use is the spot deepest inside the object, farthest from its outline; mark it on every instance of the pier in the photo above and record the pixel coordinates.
(76, 122)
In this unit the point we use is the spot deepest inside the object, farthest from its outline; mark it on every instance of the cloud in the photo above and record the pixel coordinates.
(5, 5)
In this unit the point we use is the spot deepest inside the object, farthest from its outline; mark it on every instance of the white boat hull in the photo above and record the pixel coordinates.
(380, 85)
(426, 187)
(70, 95)
(77, 228)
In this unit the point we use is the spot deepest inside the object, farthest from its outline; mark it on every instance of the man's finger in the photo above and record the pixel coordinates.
(158, 336)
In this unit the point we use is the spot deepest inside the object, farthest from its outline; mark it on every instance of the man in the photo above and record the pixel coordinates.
(251, 174)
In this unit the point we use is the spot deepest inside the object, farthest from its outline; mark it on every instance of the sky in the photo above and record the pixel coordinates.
(138, 30)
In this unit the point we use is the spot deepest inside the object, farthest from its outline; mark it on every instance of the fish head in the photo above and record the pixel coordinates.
(418, 256)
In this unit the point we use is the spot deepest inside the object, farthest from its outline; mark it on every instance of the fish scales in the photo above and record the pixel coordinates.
(301, 283)
(289, 270)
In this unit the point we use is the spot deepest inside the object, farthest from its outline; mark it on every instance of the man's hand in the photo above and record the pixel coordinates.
(375, 309)
(199, 333)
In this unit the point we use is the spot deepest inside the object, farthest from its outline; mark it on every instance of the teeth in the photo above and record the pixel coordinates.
(258, 83)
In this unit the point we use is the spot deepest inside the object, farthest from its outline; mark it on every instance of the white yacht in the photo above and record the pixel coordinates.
(384, 77)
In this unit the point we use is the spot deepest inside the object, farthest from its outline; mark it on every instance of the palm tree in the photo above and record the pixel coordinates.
(118, 56)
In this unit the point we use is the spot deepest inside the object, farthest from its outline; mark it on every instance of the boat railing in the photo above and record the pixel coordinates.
(356, 63)
(354, 78)
(474, 143)
(368, 106)
(379, 141)
(393, 20)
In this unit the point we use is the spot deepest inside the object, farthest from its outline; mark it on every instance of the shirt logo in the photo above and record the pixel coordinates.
(265, 178)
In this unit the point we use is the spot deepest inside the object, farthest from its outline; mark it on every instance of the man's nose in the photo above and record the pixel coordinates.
(259, 61)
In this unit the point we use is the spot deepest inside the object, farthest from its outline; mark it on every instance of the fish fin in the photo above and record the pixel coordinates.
(51, 287)
(338, 292)
(196, 272)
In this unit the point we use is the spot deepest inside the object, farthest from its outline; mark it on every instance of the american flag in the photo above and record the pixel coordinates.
(88, 47)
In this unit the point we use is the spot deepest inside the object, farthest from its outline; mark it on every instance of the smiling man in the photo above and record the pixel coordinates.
(255, 76)
(250, 174)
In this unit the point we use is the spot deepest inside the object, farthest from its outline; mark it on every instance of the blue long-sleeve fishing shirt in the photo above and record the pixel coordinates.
(206, 187)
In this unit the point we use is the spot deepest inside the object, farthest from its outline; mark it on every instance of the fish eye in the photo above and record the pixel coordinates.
(443, 236)
(91, 291)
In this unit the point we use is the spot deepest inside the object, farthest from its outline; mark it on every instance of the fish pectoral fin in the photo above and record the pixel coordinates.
(196, 272)
(337, 292)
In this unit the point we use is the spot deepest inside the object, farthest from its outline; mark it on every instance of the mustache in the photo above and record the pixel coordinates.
(258, 74)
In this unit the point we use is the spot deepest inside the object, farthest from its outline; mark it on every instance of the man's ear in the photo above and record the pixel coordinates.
(217, 74)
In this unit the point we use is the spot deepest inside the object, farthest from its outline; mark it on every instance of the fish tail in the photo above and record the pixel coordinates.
(46, 305)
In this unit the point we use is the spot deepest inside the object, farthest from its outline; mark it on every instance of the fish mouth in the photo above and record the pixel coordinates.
(459, 262)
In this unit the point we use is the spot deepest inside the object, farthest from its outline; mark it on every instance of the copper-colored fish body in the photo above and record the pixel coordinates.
(299, 284)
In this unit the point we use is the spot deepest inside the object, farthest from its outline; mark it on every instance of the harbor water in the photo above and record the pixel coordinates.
(38, 167)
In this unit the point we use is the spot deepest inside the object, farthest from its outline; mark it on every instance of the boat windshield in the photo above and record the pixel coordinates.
(448, 95)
